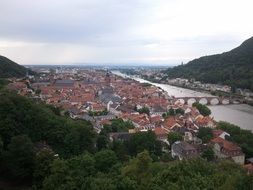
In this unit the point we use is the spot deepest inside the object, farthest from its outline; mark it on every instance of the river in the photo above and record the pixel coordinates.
(238, 114)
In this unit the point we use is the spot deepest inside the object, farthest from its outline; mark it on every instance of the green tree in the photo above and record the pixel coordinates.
(117, 125)
(81, 138)
(203, 109)
(205, 134)
(70, 174)
(105, 159)
(100, 183)
(120, 150)
(138, 167)
(171, 112)
(43, 161)
(19, 158)
(141, 141)
(102, 142)
(1, 147)
(144, 110)
(60, 177)
(180, 111)
(174, 136)
(208, 154)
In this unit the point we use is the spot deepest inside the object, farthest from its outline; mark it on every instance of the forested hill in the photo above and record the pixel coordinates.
(234, 68)
(39, 149)
(9, 68)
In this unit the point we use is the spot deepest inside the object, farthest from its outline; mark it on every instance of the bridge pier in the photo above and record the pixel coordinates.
(208, 100)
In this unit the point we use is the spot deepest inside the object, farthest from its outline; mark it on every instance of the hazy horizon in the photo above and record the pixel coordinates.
(143, 32)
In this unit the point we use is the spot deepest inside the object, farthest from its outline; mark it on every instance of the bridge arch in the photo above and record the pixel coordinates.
(225, 101)
(236, 101)
(214, 101)
(190, 101)
(180, 100)
(203, 101)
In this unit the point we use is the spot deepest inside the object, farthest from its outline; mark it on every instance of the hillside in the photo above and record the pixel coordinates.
(33, 136)
(9, 68)
(234, 68)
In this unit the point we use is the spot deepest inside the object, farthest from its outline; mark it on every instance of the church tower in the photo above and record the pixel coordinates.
(107, 79)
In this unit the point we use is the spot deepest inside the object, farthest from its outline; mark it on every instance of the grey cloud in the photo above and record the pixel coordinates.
(66, 21)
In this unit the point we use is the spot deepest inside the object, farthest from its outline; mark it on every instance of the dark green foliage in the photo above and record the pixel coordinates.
(203, 109)
(1, 147)
(141, 141)
(19, 115)
(205, 134)
(78, 140)
(102, 142)
(174, 136)
(138, 168)
(142, 173)
(208, 154)
(173, 112)
(105, 159)
(98, 113)
(234, 68)
(56, 110)
(24, 123)
(144, 110)
(198, 174)
(120, 150)
(3, 83)
(43, 161)
(244, 138)
(18, 159)
(10, 69)
(70, 174)
(180, 111)
(117, 125)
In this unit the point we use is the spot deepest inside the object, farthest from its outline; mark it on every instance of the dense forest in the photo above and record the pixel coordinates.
(233, 68)
(10, 69)
(39, 149)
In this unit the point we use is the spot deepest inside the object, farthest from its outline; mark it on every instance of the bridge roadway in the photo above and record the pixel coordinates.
(212, 100)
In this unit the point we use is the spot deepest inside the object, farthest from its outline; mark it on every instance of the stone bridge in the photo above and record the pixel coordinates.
(212, 100)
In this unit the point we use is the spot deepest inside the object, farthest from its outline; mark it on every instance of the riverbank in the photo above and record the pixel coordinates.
(211, 93)
(239, 114)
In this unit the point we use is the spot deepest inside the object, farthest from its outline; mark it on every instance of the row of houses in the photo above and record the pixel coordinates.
(121, 98)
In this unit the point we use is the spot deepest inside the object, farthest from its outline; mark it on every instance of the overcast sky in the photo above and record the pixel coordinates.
(121, 31)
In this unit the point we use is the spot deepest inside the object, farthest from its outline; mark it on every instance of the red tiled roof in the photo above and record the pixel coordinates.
(226, 144)
(170, 122)
(160, 131)
(156, 118)
(217, 133)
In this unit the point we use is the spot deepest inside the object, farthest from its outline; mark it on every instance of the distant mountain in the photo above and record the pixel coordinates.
(9, 68)
(234, 68)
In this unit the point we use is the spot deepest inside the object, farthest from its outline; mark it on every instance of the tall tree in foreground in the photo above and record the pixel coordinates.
(19, 159)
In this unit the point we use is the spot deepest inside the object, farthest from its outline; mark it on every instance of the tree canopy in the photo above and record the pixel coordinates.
(234, 68)
(48, 151)
(10, 69)
(203, 109)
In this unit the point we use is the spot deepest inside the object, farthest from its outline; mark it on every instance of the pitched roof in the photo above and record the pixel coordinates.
(226, 144)
(217, 133)
(160, 131)
(170, 122)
